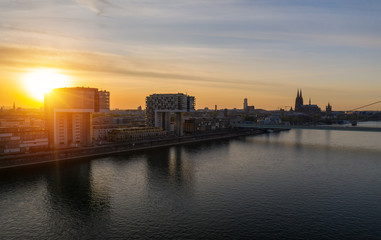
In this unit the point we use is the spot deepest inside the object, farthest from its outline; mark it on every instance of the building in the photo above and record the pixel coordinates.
(244, 104)
(299, 101)
(159, 108)
(134, 134)
(328, 109)
(23, 139)
(310, 109)
(68, 113)
(270, 120)
(103, 101)
(205, 125)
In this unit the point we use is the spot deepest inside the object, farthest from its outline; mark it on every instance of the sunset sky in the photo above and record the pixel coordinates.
(219, 51)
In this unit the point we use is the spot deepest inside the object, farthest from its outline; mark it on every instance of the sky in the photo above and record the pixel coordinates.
(220, 51)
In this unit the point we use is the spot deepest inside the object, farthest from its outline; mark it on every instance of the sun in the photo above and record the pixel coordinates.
(40, 81)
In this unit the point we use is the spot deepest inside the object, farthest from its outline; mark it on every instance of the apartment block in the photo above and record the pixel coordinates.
(68, 113)
(159, 108)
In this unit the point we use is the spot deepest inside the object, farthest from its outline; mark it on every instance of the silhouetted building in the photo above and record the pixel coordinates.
(244, 104)
(299, 101)
(328, 109)
(307, 109)
(246, 107)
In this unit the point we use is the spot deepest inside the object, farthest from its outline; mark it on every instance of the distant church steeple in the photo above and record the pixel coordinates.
(299, 101)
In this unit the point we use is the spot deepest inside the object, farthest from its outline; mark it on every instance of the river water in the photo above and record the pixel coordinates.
(301, 184)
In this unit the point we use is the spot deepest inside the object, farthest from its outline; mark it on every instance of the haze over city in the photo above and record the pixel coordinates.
(219, 51)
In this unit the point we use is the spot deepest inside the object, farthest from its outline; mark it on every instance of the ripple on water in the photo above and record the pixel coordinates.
(296, 185)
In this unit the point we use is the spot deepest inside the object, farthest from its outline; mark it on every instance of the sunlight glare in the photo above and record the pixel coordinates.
(41, 81)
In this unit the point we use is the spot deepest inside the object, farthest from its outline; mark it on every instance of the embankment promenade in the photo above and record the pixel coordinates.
(71, 154)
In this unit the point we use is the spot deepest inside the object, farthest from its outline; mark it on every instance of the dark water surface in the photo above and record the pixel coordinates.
(301, 184)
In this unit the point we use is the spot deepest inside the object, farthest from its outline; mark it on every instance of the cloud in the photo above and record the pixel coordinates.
(98, 6)
(39, 31)
(334, 39)
(19, 58)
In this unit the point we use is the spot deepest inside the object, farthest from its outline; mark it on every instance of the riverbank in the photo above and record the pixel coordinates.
(111, 149)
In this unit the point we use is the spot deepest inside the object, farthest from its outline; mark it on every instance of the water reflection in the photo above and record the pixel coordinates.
(298, 139)
(273, 185)
(168, 166)
(65, 197)
(73, 200)
(71, 185)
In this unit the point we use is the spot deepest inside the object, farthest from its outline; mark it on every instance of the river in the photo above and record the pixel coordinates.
(300, 184)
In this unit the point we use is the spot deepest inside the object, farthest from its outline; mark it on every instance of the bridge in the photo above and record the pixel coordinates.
(309, 127)
(312, 127)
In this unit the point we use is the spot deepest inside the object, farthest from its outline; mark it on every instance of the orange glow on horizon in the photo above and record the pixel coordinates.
(40, 81)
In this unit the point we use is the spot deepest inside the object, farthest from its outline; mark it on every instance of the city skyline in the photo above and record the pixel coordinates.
(219, 51)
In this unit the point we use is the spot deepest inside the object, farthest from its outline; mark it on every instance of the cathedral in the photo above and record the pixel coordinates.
(299, 101)
(308, 109)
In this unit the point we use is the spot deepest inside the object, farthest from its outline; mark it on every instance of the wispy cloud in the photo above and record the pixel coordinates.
(236, 44)
(39, 31)
(21, 58)
(98, 6)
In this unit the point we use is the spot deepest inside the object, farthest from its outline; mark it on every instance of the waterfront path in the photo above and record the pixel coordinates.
(18, 160)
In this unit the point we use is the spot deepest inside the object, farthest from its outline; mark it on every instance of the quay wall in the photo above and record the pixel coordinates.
(111, 149)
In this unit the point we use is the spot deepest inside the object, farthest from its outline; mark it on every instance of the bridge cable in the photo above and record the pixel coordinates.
(364, 106)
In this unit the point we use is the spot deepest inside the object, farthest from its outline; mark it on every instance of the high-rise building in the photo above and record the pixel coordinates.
(68, 113)
(160, 106)
(103, 101)
(244, 104)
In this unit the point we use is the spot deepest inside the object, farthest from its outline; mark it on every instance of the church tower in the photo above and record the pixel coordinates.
(328, 109)
(299, 101)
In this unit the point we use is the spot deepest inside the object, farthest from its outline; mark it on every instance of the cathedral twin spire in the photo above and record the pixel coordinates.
(299, 101)
(300, 107)
(299, 94)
